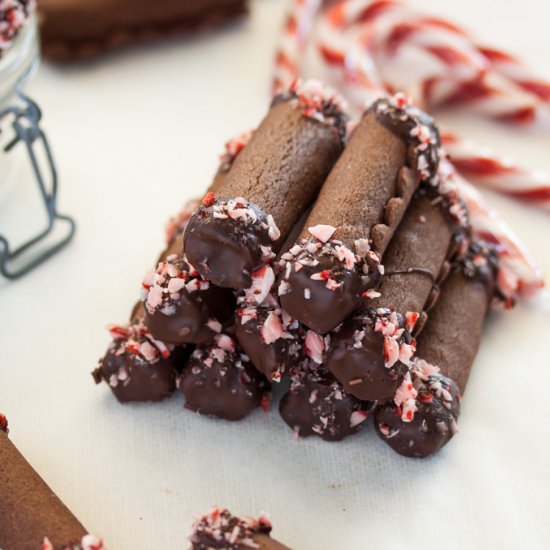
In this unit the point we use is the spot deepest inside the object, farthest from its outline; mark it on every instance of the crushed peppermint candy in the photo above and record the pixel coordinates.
(88, 542)
(333, 259)
(322, 233)
(135, 339)
(446, 186)
(405, 398)
(162, 288)
(415, 127)
(421, 385)
(3, 423)
(220, 529)
(327, 409)
(223, 350)
(262, 281)
(319, 102)
(14, 15)
(314, 346)
(232, 149)
(398, 344)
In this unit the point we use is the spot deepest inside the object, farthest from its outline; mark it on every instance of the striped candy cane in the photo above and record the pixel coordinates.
(376, 47)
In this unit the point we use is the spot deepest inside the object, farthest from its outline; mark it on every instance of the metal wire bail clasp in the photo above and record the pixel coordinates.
(26, 126)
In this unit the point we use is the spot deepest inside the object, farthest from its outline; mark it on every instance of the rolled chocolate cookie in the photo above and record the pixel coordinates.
(182, 307)
(31, 514)
(177, 224)
(370, 352)
(220, 381)
(273, 180)
(316, 404)
(137, 367)
(87, 28)
(325, 276)
(221, 529)
(270, 337)
(422, 416)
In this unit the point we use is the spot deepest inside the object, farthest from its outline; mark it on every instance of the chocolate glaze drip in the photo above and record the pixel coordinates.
(317, 404)
(135, 369)
(220, 381)
(277, 174)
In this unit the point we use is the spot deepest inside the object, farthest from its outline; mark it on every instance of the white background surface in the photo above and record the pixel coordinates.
(135, 136)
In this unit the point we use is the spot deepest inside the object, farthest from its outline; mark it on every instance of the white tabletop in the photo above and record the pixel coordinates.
(137, 134)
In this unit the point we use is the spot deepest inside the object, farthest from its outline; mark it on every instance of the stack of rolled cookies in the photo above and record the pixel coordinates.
(339, 261)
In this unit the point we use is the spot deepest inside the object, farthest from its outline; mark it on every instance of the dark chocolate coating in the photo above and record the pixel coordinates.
(362, 370)
(29, 509)
(263, 542)
(132, 377)
(189, 323)
(220, 529)
(186, 316)
(229, 389)
(316, 404)
(273, 359)
(433, 425)
(318, 307)
(279, 171)
(225, 252)
(450, 341)
(413, 263)
(364, 197)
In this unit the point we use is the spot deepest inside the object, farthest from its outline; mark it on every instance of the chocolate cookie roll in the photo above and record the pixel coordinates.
(325, 276)
(370, 352)
(422, 416)
(86, 28)
(180, 306)
(219, 381)
(221, 529)
(273, 180)
(317, 404)
(137, 367)
(31, 514)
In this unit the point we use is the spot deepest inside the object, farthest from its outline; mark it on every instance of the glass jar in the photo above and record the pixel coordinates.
(29, 232)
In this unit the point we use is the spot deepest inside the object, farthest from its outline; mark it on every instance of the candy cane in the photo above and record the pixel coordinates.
(448, 68)
(297, 28)
(360, 41)
(519, 275)
(484, 168)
